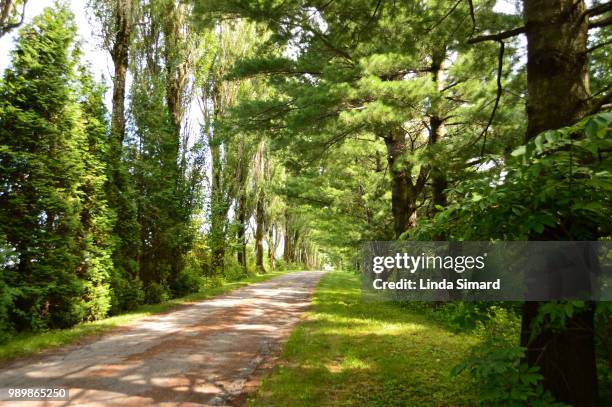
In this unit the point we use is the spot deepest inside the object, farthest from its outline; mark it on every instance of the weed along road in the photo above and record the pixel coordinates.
(209, 353)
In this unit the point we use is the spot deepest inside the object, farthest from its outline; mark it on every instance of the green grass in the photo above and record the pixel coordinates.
(28, 343)
(352, 353)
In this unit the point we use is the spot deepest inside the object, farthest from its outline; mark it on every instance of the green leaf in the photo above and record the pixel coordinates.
(539, 143)
(456, 370)
(596, 127)
(519, 151)
(551, 136)
(589, 206)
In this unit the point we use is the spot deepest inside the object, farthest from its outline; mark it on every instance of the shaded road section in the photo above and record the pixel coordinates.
(209, 353)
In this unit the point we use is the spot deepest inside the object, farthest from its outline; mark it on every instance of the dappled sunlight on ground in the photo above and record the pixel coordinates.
(202, 354)
(367, 354)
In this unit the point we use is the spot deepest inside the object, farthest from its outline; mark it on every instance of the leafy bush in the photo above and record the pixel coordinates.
(232, 270)
(502, 379)
(60, 310)
(467, 315)
(281, 265)
(212, 282)
(6, 304)
(497, 365)
(561, 174)
(97, 301)
(155, 293)
(188, 281)
(126, 294)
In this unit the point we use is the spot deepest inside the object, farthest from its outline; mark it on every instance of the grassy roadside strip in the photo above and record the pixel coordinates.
(350, 353)
(29, 343)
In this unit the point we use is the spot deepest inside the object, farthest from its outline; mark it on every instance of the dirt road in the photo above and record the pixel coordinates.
(210, 353)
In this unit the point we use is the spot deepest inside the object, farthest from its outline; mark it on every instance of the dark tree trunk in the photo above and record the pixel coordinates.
(404, 192)
(290, 244)
(437, 130)
(119, 54)
(242, 213)
(127, 254)
(303, 256)
(438, 176)
(287, 239)
(218, 198)
(259, 231)
(293, 255)
(218, 215)
(566, 359)
(558, 89)
(241, 233)
(557, 70)
(272, 245)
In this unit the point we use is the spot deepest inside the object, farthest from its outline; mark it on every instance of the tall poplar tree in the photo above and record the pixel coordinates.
(117, 19)
(164, 55)
(229, 149)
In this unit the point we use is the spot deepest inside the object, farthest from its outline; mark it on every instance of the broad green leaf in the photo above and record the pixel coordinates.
(519, 151)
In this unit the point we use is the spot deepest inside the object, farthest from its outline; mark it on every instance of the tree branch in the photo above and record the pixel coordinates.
(367, 24)
(597, 10)
(602, 22)
(497, 37)
(330, 46)
(444, 17)
(500, 66)
(4, 29)
(400, 74)
(597, 104)
(597, 46)
(472, 16)
(452, 85)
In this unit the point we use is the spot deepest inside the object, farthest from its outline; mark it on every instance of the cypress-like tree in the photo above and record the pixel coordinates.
(49, 181)
(97, 239)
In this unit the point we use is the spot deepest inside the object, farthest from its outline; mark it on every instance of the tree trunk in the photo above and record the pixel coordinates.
(558, 88)
(259, 231)
(218, 196)
(404, 193)
(557, 70)
(437, 130)
(127, 254)
(287, 236)
(218, 213)
(241, 233)
(119, 55)
(272, 245)
(438, 176)
(293, 254)
(177, 68)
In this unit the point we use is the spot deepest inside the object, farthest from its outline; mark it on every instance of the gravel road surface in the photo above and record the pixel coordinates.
(210, 353)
